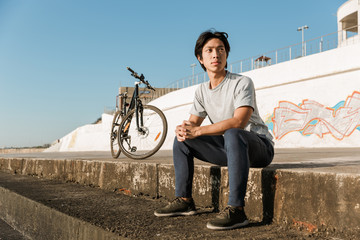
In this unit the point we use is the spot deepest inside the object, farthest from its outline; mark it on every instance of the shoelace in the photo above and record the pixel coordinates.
(227, 211)
(176, 200)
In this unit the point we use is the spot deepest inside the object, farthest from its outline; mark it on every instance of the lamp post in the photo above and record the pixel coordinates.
(193, 72)
(302, 28)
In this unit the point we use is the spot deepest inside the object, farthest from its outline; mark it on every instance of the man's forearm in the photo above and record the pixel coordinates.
(220, 127)
(239, 120)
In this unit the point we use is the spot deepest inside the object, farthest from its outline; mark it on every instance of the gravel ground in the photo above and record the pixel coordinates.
(132, 216)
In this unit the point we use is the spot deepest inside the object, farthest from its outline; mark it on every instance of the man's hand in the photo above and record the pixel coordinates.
(180, 132)
(187, 130)
(192, 130)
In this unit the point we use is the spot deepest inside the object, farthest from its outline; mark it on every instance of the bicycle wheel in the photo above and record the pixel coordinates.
(114, 143)
(140, 144)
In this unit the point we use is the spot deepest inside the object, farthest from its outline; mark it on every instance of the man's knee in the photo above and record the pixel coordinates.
(234, 136)
(179, 144)
(176, 143)
(232, 131)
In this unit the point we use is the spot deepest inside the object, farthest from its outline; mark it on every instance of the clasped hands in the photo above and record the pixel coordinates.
(187, 130)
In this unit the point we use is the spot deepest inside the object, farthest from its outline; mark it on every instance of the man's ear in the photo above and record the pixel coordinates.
(200, 59)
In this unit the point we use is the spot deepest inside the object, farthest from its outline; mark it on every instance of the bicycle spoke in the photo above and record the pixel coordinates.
(146, 140)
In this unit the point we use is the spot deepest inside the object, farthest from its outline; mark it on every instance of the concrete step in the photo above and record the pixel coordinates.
(38, 210)
(317, 194)
(51, 209)
(9, 233)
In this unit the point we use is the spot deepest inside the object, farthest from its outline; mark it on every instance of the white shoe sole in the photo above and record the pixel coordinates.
(175, 214)
(238, 225)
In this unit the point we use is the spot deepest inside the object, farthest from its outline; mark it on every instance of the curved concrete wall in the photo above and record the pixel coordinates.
(348, 18)
(90, 137)
(347, 8)
(312, 101)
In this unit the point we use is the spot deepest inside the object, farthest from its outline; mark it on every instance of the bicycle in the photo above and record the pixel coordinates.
(137, 130)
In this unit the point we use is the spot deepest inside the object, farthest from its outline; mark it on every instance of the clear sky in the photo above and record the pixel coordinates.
(62, 61)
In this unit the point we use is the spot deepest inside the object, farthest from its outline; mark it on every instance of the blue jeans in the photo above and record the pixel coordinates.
(237, 149)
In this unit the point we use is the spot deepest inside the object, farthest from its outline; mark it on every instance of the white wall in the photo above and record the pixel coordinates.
(90, 137)
(324, 79)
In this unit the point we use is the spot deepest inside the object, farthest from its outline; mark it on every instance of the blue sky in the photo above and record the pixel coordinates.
(62, 61)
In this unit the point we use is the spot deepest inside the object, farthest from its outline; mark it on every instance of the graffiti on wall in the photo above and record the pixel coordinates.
(311, 117)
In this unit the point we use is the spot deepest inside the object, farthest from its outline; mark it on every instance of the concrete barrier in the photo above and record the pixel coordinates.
(36, 221)
(315, 200)
(21, 150)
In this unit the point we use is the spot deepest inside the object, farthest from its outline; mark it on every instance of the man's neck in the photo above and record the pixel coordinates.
(216, 78)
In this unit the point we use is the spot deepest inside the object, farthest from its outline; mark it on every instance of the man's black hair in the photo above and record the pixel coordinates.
(205, 37)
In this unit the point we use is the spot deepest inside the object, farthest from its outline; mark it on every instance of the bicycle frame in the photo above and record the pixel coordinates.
(135, 102)
(138, 104)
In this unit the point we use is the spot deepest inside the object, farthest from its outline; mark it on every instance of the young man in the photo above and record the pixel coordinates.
(237, 137)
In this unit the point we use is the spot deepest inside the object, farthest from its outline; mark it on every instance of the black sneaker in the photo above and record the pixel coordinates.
(230, 218)
(177, 207)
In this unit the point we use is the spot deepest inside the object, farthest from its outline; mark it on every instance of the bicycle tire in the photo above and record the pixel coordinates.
(114, 143)
(140, 145)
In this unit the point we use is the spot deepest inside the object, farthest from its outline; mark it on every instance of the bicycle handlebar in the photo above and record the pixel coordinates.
(141, 78)
(132, 71)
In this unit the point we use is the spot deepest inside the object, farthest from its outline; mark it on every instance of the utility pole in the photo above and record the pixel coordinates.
(193, 72)
(302, 28)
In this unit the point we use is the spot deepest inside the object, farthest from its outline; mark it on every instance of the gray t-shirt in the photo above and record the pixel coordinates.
(220, 103)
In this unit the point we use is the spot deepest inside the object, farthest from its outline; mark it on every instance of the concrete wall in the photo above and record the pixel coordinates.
(21, 150)
(303, 196)
(90, 137)
(312, 101)
(348, 18)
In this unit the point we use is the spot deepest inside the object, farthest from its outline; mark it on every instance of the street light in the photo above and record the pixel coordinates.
(193, 71)
(302, 28)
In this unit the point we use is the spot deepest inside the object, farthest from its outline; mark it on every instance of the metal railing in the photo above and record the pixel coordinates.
(302, 49)
(306, 48)
(189, 81)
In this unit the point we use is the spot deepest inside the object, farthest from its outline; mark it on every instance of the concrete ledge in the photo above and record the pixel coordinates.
(308, 199)
(37, 221)
(21, 150)
(317, 200)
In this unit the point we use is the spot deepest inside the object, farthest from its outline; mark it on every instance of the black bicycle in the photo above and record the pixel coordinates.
(137, 130)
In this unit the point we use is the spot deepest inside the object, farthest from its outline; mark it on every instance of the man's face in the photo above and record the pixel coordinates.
(213, 55)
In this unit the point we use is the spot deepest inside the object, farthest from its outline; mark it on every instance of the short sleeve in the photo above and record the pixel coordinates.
(198, 108)
(244, 93)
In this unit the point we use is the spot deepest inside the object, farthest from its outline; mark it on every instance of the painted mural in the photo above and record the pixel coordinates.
(311, 117)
